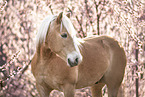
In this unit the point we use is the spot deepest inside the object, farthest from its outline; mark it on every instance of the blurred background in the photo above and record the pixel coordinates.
(123, 20)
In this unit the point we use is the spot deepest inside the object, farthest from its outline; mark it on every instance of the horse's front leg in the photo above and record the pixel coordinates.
(69, 90)
(44, 91)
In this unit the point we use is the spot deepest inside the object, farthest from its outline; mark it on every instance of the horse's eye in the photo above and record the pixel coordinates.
(64, 35)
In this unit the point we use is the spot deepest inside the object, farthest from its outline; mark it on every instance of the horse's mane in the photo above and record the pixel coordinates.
(43, 29)
(69, 26)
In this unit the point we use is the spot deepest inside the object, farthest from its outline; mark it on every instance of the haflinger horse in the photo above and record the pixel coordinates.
(65, 63)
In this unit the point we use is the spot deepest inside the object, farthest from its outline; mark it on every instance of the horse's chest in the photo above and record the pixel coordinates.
(50, 77)
(56, 73)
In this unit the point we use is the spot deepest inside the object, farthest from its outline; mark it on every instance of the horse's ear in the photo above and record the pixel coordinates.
(68, 15)
(59, 18)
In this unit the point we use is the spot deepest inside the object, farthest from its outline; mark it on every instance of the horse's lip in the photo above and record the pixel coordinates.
(72, 65)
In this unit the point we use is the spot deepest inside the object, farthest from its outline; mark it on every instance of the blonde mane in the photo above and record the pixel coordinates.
(69, 26)
(42, 32)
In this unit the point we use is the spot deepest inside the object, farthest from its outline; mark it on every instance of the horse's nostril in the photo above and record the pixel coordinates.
(76, 60)
(69, 62)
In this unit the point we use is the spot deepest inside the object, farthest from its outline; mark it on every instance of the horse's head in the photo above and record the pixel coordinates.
(61, 39)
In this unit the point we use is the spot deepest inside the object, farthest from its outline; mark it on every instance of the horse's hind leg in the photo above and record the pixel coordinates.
(113, 90)
(44, 91)
(97, 90)
(113, 82)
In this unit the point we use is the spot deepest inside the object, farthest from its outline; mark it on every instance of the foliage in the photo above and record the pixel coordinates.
(123, 20)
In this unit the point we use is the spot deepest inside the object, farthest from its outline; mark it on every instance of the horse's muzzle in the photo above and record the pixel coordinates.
(74, 59)
(72, 64)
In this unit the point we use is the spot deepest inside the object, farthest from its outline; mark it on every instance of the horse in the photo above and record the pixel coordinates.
(64, 62)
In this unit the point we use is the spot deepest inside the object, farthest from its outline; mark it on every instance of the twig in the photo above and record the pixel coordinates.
(51, 9)
(81, 28)
(24, 69)
(98, 16)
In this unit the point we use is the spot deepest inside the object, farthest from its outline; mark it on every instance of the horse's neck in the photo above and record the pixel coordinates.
(44, 52)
